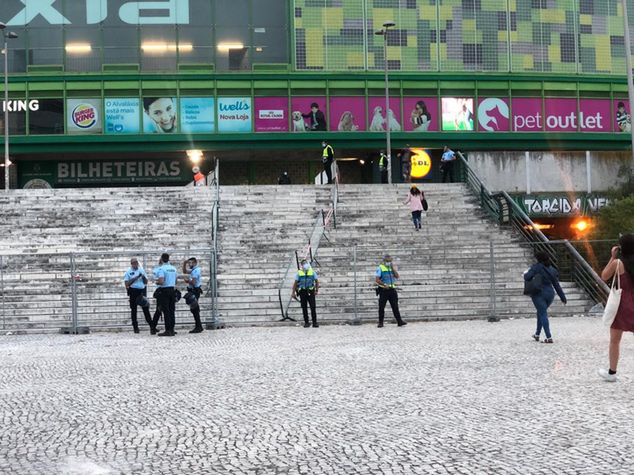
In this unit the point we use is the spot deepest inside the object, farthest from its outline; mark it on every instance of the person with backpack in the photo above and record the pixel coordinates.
(541, 283)
(621, 267)
(417, 204)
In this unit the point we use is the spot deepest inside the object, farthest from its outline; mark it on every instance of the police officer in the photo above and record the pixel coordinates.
(165, 275)
(386, 276)
(327, 158)
(307, 285)
(446, 164)
(135, 280)
(193, 277)
(383, 166)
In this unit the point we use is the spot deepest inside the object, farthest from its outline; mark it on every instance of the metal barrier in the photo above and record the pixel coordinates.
(503, 209)
(73, 291)
(215, 217)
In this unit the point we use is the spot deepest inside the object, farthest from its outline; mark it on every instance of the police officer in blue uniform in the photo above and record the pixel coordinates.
(307, 286)
(385, 277)
(135, 280)
(165, 275)
(193, 277)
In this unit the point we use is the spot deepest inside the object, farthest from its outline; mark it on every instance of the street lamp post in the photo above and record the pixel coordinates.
(383, 32)
(7, 36)
(628, 62)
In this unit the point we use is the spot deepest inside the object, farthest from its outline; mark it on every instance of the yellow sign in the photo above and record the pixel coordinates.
(421, 163)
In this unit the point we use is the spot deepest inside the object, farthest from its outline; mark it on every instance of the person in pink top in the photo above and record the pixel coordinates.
(415, 201)
(621, 261)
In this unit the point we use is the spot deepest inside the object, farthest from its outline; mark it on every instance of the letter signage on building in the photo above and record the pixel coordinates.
(560, 205)
(234, 114)
(83, 116)
(105, 172)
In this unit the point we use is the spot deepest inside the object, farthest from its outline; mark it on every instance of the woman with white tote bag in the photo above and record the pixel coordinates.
(621, 268)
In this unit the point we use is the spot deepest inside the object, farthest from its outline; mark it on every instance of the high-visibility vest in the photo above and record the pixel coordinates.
(306, 279)
(387, 276)
(324, 154)
(382, 161)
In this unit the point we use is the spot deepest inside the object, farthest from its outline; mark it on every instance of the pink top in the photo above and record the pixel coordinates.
(414, 201)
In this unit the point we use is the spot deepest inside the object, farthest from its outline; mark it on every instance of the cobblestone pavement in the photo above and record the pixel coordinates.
(437, 398)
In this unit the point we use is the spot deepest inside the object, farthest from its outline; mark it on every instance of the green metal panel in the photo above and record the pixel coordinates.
(526, 85)
(338, 84)
(594, 87)
(559, 86)
(270, 84)
(117, 85)
(619, 87)
(46, 86)
(83, 86)
(197, 84)
(457, 85)
(312, 84)
(493, 85)
(14, 86)
(381, 84)
(420, 84)
(236, 84)
(159, 84)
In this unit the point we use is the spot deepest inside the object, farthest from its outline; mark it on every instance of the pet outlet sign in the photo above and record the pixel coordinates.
(167, 12)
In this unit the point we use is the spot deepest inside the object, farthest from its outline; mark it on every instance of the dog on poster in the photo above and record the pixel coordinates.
(376, 125)
(298, 122)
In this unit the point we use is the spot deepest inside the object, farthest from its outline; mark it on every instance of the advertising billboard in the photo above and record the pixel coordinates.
(83, 116)
(527, 114)
(48, 119)
(457, 113)
(560, 115)
(347, 114)
(122, 115)
(595, 115)
(160, 115)
(420, 114)
(271, 114)
(308, 114)
(622, 116)
(377, 118)
(197, 115)
(493, 114)
(234, 114)
(420, 164)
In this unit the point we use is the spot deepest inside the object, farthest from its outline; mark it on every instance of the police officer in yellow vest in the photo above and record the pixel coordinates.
(385, 277)
(307, 286)
(383, 166)
(327, 158)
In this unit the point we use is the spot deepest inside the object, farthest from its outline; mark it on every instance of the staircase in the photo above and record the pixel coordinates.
(260, 228)
(445, 268)
(40, 228)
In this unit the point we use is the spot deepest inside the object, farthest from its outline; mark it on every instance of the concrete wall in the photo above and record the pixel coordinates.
(548, 171)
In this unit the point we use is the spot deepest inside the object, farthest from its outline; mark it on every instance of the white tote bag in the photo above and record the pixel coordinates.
(614, 299)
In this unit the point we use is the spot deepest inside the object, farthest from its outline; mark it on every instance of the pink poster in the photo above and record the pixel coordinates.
(560, 115)
(308, 114)
(595, 115)
(420, 114)
(493, 114)
(527, 114)
(271, 114)
(622, 117)
(377, 116)
(347, 114)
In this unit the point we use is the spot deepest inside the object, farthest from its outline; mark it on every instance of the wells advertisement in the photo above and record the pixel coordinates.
(48, 174)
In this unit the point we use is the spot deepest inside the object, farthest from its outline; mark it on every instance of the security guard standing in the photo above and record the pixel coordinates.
(307, 285)
(385, 277)
(193, 277)
(135, 280)
(165, 275)
(327, 158)
(383, 166)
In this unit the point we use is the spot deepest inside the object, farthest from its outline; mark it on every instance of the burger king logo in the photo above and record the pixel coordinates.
(84, 116)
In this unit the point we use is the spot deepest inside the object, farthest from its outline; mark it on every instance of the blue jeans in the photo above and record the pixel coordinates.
(542, 301)
(416, 219)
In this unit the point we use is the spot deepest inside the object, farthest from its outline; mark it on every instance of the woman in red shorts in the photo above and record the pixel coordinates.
(624, 320)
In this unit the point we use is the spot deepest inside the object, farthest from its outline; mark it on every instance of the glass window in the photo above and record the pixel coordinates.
(120, 45)
(232, 48)
(195, 44)
(83, 49)
(17, 50)
(45, 46)
(200, 13)
(48, 119)
(270, 45)
(158, 48)
(232, 12)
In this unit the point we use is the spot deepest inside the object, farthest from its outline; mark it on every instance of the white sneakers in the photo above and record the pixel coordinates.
(605, 374)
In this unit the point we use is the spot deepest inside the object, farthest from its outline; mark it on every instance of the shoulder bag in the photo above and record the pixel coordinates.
(535, 285)
(423, 201)
(614, 299)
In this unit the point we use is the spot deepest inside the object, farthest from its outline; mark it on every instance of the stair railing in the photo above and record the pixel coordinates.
(215, 216)
(505, 210)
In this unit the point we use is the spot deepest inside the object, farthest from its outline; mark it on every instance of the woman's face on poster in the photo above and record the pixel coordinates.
(163, 113)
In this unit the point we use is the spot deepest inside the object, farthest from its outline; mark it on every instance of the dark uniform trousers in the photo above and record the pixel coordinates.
(197, 291)
(134, 295)
(389, 295)
(166, 301)
(328, 170)
(447, 171)
(307, 297)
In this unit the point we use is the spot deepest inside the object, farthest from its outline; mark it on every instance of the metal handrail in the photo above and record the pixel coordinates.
(583, 274)
(215, 217)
